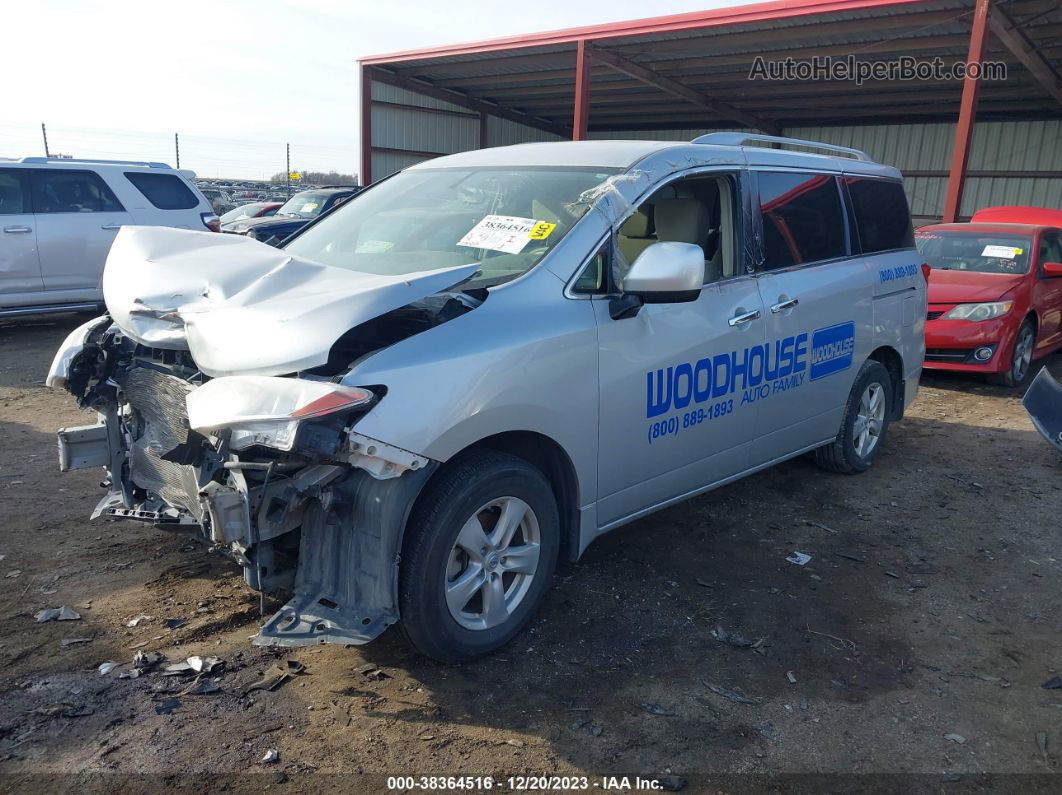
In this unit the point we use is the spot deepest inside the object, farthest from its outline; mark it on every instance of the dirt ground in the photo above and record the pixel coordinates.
(908, 654)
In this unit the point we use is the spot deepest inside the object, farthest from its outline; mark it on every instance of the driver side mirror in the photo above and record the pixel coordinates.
(665, 273)
(1052, 270)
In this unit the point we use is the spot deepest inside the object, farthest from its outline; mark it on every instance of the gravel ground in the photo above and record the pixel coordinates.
(909, 654)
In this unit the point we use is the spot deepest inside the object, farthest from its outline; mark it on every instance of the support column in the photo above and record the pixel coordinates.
(971, 86)
(365, 170)
(581, 117)
(483, 131)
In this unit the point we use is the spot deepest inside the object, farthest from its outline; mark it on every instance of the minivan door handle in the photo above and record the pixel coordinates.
(744, 317)
(111, 226)
(16, 229)
(781, 306)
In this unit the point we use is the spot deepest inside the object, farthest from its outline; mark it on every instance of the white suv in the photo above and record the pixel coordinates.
(58, 218)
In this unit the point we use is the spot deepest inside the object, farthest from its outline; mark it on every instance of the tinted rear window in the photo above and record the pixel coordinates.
(883, 221)
(802, 219)
(165, 191)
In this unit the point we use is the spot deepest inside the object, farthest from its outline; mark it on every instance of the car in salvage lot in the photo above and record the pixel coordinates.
(295, 213)
(426, 398)
(995, 292)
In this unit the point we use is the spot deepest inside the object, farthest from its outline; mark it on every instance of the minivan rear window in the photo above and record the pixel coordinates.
(802, 219)
(165, 191)
(881, 215)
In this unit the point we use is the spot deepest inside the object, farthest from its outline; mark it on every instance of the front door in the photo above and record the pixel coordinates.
(20, 267)
(77, 219)
(673, 378)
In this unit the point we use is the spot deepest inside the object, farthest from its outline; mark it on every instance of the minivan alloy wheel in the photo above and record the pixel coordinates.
(869, 421)
(493, 563)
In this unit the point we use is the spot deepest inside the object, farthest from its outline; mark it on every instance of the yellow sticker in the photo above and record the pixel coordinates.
(541, 230)
(1019, 251)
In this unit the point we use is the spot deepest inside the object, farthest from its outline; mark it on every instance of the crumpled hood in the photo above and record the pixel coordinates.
(242, 307)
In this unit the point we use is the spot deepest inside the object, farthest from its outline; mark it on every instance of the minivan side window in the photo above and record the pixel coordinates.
(72, 192)
(165, 191)
(802, 219)
(13, 200)
(882, 218)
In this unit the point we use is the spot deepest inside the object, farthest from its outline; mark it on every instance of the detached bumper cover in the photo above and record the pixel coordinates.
(1043, 401)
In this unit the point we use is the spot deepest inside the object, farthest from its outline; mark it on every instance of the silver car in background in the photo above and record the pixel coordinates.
(424, 400)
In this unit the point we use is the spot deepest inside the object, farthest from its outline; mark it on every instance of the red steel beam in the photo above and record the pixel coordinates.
(971, 86)
(581, 115)
(365, 172)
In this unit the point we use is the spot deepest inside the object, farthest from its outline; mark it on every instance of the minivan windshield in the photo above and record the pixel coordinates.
(505, 219)
(974, 251)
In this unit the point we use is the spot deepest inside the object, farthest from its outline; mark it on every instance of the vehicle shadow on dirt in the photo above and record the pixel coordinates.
(638, 641)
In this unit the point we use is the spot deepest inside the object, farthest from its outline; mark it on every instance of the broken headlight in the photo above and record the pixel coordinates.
(267, 410)
(63, 362)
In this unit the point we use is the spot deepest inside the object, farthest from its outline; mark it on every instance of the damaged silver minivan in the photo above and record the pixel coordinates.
(418, 404)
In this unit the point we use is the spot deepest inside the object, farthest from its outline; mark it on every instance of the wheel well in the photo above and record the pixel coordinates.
(1035, 321)
(893, 362)
(552, 461)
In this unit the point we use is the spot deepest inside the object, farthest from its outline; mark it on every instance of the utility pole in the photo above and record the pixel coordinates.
(44, 132)
(177, 148)
(287, 170)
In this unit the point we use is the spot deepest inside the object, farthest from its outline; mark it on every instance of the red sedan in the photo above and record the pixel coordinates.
(995, 291)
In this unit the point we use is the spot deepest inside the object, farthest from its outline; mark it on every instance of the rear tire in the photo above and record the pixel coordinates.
(864, 424)
(465, 589)
(1020, 358)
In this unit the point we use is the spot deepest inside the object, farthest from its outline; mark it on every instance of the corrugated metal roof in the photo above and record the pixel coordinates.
(535, 74)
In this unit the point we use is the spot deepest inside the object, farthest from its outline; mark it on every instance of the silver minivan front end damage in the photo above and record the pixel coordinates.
(269, 468)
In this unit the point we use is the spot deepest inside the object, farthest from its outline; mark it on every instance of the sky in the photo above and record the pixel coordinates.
(237, 79)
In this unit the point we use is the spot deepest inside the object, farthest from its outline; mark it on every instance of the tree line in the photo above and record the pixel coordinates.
(317, 178)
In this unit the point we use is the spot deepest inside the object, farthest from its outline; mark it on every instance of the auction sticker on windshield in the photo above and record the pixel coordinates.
(506, 233)
(1002, 252)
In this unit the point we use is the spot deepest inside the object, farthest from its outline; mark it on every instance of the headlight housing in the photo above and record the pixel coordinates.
(267, 410)
(977, 312)
(59, 372)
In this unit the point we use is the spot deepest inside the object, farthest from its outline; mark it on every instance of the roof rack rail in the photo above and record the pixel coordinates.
(739, 139)
(145, 163)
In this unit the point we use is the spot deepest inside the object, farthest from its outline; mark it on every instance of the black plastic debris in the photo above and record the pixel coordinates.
(204, 688)
(277, 675)
(167, 706)
(147, 660)
(1054, 683)
(174, 623)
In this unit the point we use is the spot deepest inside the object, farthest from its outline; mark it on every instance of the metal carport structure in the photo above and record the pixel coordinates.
(692, 71)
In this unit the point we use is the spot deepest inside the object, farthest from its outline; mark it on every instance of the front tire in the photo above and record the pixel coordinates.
(864, 424)
(1020, 357)
(478, 556)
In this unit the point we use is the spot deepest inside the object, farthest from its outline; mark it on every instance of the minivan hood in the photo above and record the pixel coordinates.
(242, 307)
(964, 287)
